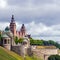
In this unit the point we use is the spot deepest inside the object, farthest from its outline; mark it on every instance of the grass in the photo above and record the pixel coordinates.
(9, 55)
(32, 58)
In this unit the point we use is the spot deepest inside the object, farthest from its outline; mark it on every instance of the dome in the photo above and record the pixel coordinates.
(8, 32)
(5, 36)
(7, 29)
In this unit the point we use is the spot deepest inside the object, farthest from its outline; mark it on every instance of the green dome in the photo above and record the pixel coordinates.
(7, 29)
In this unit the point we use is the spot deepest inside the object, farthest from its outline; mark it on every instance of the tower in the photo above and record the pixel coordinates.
(23, 31)
(13, 26)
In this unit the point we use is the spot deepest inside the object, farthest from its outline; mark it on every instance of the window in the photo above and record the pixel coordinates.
(8, 41)
(5, 41)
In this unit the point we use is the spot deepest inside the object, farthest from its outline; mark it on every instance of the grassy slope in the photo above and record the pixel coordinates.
(9, 55)
(32, 58)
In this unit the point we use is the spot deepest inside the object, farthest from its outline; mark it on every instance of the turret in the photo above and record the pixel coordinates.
(23, 31)
(13, 26)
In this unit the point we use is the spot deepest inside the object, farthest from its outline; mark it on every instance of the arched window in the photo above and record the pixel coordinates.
(5, 41)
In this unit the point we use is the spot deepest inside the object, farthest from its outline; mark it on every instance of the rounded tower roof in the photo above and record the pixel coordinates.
(7, 29)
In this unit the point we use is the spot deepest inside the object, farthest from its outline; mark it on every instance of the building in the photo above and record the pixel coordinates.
(10, 33)
(7, 38)
(24, 48)
(19, 34)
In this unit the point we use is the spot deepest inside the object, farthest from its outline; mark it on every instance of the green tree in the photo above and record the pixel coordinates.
(31, 41)
(16, 40)
(36, 42)
(54, 57)
(20, 40)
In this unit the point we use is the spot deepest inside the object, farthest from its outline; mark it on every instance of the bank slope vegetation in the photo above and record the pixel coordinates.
(39, 42)
(9, 55)
(44, 43)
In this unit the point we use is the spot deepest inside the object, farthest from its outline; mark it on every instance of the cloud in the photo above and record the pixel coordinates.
(26, 11)
(3, 25)
(38, 31)
(41, 17)
(43, 30)
(3, 4)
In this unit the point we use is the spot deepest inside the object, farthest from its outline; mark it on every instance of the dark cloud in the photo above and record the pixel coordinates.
(32, 13)
(26, 2)
(17, 2)
(26, 11)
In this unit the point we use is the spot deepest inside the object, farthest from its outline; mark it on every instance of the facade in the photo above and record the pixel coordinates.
(10, 33)
(19, 34)
(7, 38)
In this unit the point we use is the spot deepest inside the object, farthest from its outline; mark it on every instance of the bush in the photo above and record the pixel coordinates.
(54, 57)
(18, 40)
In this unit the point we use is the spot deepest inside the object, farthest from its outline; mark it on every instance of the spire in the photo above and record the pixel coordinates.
(22, 28)
(23, 31)
(12, 16)
(12, 19)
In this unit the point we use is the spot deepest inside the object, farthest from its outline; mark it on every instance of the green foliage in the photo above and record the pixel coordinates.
(36, 42)
(54, 57)
(9, 55)
(20, 40)
(39, 42)
(54, 43)
(5, 55)
(44, 43)
(16, 40)
(31, 58)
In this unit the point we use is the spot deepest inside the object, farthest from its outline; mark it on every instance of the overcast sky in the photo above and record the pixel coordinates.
(41, 17)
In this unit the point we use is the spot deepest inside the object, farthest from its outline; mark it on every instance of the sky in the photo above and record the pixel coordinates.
(41, 17)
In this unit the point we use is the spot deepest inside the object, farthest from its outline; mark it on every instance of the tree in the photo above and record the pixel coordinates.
(36, 42)
(20, 40)
(16, 40)
(54, 57)
(31, 41)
